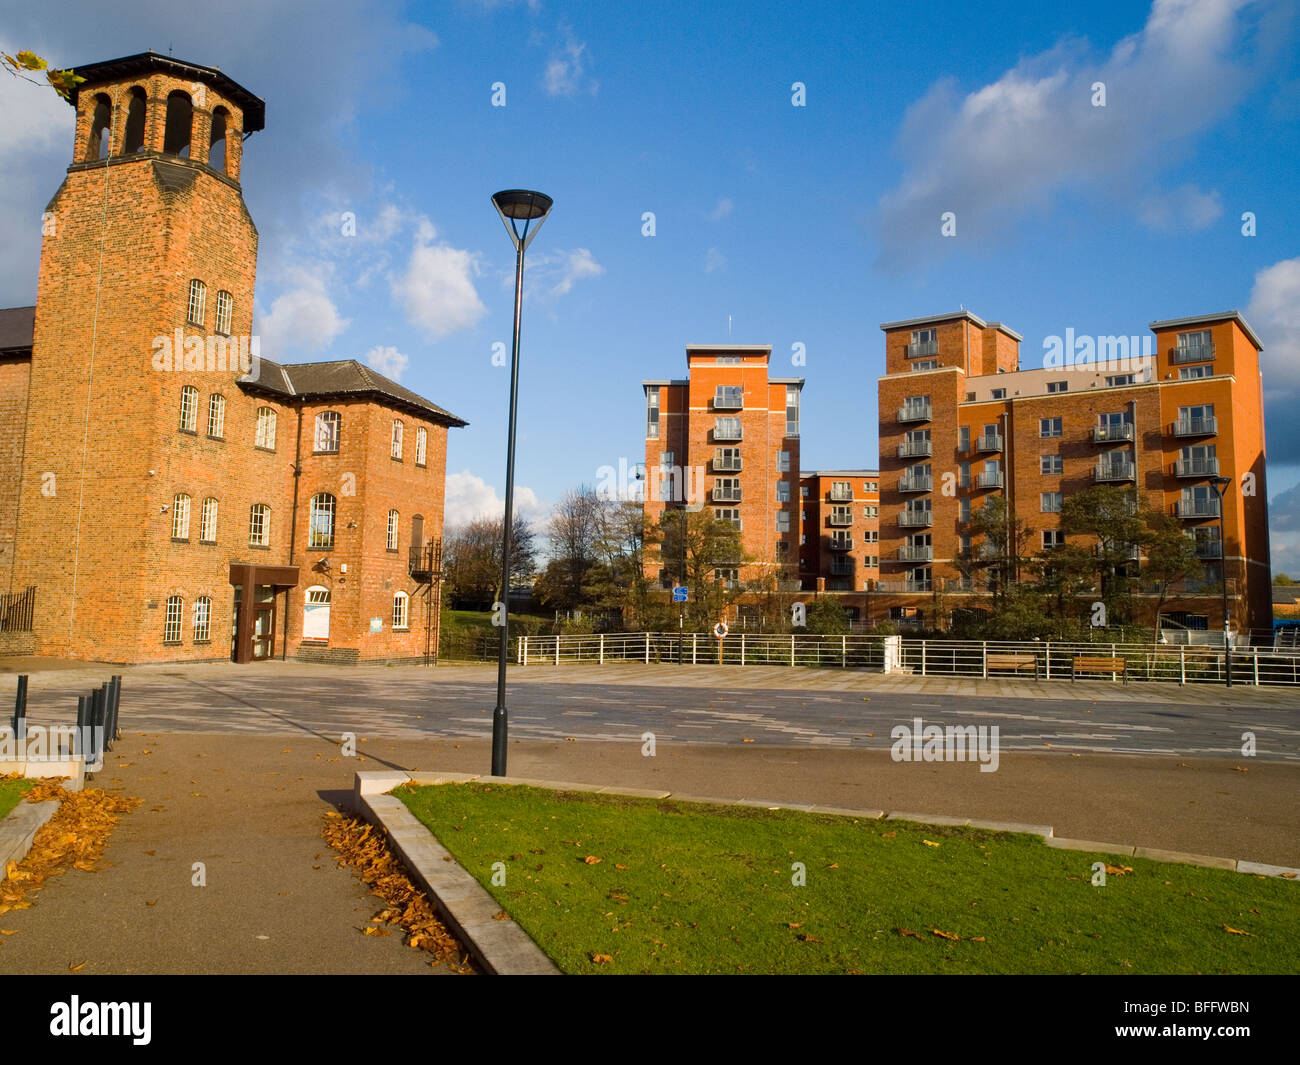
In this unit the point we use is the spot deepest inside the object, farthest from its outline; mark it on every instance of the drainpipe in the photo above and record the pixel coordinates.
(293, 529)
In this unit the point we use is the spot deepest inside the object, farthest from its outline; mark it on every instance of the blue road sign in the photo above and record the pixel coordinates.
(680, 592)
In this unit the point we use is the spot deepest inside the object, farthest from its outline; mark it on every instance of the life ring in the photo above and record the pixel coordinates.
(720, 630)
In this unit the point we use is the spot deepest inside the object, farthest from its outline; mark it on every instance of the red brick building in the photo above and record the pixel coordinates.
(839, 539)
(167, 493)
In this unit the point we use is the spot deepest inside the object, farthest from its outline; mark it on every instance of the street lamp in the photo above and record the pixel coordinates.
(1220, 485)
(519, 210)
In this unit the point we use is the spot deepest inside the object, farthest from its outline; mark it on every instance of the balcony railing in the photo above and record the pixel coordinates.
(915, 449)
(1110, 434)
(841, 543)
(916, 553)
(726, 495)
(915, 484)
(728, 430)
(1206, 548)
(841, 567)
(920, 350)
(728, 400)
(1201, 467)
(1192, 353)
(913, 519)
(727, 464)
(841, 493)
(1114, 471)
(1196, 426)
(840, 517)
(1132, 552)
(914, 412)
(989, 479)
(989, 442)
(1197, 508)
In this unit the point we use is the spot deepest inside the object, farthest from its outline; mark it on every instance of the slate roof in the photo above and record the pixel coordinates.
(17, 324)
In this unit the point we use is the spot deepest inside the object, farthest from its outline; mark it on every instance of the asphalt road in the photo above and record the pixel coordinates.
(410, 703)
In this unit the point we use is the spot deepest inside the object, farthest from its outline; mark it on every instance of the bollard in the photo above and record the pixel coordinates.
(98, 709)
(20, 709)
(115, 698)
(83, 715)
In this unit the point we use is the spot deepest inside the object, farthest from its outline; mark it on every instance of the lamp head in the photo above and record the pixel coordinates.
(522, 212)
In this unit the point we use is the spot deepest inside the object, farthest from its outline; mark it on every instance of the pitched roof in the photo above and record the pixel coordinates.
(1286, 593)
(344, 378)
(17, 325)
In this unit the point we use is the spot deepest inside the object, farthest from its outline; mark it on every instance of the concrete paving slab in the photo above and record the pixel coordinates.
(929, 819)
(1181, 857)
(1260, 869)
(1045, 831)
(18, 829)
(1092, 846)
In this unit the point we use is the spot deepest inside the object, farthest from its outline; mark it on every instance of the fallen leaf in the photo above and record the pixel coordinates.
(929, 843)
(795, 924)
(77, 968)
(1237, 931)
(909, 932)
(1118, 870)
(977, 939)
(945, 935)
(591, 859)
(8, 931)
(808, 938)
(501, 915)
(617, 866)
(601, 959)
(746, 739)
(888, 835)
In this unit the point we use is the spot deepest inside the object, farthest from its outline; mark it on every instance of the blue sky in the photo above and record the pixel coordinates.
(808, 225)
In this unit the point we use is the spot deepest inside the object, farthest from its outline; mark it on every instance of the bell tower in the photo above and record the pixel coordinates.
(147, 245)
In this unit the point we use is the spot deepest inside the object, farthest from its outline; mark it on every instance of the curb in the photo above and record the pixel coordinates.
(503, 948)
(19, 828)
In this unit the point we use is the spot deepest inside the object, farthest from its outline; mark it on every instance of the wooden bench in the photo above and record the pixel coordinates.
(1086, 664)
(1015, 662)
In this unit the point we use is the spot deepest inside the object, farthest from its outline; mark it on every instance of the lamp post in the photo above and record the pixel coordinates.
(1220, 486)
(519, 210)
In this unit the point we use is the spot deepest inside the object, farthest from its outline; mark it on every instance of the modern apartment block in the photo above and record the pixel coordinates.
(726, 438)
(839, 541)
(961, 422)
(165, 494)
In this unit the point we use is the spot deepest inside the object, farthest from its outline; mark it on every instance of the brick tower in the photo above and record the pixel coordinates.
(147, 243)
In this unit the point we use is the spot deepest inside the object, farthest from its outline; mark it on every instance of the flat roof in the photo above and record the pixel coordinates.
(1209, 319)
(839, 473)
(930, 319)
(752, 348)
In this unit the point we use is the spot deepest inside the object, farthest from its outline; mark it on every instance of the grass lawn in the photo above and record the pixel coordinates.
(11, 791)
(686, 888)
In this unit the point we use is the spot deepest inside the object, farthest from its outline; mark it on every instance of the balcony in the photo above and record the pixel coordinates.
(989, 442)
(915, 449)
(726, 495)
(1200, 467)
(916, 553)
(1206, 548)
(988, 551)
(841, 493)
(1114, 471)
(726, 464)
(1112, 434)
(728, 429)
(1130, 552)
(841, 543)
(841, 567)
(924, 348)
(915, 484)
(989, 479)
(1197, 508)
(908, 585)
(1196, 426)
(729, 399)
(914, 412)
(423, 563)
(1192, 353)
(840, 516)
(915, 519)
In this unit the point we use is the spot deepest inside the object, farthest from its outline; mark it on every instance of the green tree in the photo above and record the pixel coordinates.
(1171, 557)
(24, 64)
(826, 617)
(710, 546)
(1118, 522)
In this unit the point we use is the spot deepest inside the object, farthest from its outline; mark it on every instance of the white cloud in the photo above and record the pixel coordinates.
(437, 289)
(388, 361)
(1012, 145)
(1180, 209)
(555, 273)
(469, 497)
(303, 319)
(1274, 313)
(723, 208)
(566, 70)
(714, 260)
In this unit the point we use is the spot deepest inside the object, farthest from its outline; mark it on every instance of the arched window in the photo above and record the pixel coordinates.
(401, 601)
(189, 408)
(396, 450)
(198, 304)
(203, 619)
(392, 530)
(208, 522)
(316, 613)
(259, 525)
(133, 141)
(321, 529)
(172, 625)
(421, 445)
(217, 416)
(181, 517)
(265, 429)
(327, 431)
(101, 126)
(178, 129)
(217, 145)
(225, 305)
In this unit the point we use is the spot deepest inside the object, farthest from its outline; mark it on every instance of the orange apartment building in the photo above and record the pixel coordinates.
(727, 439)
(839, 542)
(165, 494)
(960, 422)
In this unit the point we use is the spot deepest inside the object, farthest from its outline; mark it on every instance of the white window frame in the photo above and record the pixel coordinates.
(329, 431)
(421, 445)
(323, 513)
(401, 612)
(1050, 502)
(189, 409)
(173, 618)
(203, 619)
(180, 516)
(216, 416)
(265, 437)
(196, 309)
(395, 451)
(393, 520)
(259, 525)
(225, 307)
(208, 521)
